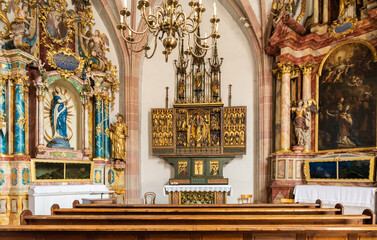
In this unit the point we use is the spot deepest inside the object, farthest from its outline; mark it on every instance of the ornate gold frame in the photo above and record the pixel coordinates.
(68, 52)
(43, 20)
(337, 159)
(33, 176)
(333, 26)
(319, 74)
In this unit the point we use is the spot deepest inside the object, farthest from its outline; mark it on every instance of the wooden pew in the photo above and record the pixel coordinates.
(368, 217)
(189, 232)
(317, 204)
(56, 210)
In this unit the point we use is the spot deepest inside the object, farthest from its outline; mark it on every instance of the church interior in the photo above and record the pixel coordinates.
(188, 119)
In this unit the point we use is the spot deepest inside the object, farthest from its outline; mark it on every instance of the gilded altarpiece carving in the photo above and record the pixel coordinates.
(199, 136)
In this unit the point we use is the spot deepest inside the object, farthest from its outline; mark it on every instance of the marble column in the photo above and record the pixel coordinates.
(306, 95)
(285, 123)
(20, 118)
(10, 117)
(40, 95)
(99, 149)
(316, 11)
(325, 11)
(86, 126)
(106, 127)
(3, 114)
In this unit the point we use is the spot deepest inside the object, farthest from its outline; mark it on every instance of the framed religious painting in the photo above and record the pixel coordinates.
(347, 94)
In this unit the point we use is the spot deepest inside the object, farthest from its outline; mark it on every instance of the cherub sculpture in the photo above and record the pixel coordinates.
(96, 44)
(302, 120)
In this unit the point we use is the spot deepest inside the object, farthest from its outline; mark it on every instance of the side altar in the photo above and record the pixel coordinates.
(198, 136)
(325, 95)
(57, 90)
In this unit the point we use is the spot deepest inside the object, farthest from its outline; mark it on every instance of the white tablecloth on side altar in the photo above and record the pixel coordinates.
(347, 196)
(198, 188)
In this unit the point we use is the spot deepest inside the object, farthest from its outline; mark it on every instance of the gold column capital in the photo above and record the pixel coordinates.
(307, 68)
(285, 67)
(3, 78)
(99, 96)
(20, 79)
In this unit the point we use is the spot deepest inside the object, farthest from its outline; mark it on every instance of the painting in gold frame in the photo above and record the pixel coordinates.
(336, 169)
(347, 94)
(61, 171)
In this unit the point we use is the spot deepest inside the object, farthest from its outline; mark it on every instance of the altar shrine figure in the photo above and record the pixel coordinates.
(59, 114)
(302, 120)
(118, 135)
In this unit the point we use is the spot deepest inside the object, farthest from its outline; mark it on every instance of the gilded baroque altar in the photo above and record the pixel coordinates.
(57, 90)
(328, 59)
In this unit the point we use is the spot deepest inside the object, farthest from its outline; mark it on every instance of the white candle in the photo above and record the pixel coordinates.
(205, 38)
(122, 20)
(200, 1)
(150, 10)
(214, 9)
(125, 4)
(129, 32)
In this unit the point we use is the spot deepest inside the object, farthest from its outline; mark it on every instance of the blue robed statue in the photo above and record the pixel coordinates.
(59, 114)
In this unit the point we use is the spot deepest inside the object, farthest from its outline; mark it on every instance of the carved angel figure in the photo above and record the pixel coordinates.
(96, 44)
(19, 27)
(302, 120)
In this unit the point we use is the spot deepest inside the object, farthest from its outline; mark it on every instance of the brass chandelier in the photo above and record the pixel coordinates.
(168, 23)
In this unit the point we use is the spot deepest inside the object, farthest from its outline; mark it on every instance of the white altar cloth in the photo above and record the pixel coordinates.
(347, 196)
(198, 188)
(41, 198)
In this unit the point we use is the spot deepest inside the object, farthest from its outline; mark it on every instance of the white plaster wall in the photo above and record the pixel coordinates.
(239, 69)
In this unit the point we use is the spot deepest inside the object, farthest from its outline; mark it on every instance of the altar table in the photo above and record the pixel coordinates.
(347, 196)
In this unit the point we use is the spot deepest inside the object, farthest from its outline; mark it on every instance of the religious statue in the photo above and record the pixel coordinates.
(118, 135)
(302, 120)
(199, 131)
(181, 88)
(215, 86)
(97, 44)
(59, 114)
(19, 27)
(343, 6)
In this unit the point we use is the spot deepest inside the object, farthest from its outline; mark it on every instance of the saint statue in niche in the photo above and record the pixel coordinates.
(59, 114)
(118, 135)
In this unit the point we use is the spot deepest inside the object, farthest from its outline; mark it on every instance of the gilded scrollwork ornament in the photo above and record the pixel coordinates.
(4, 18)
